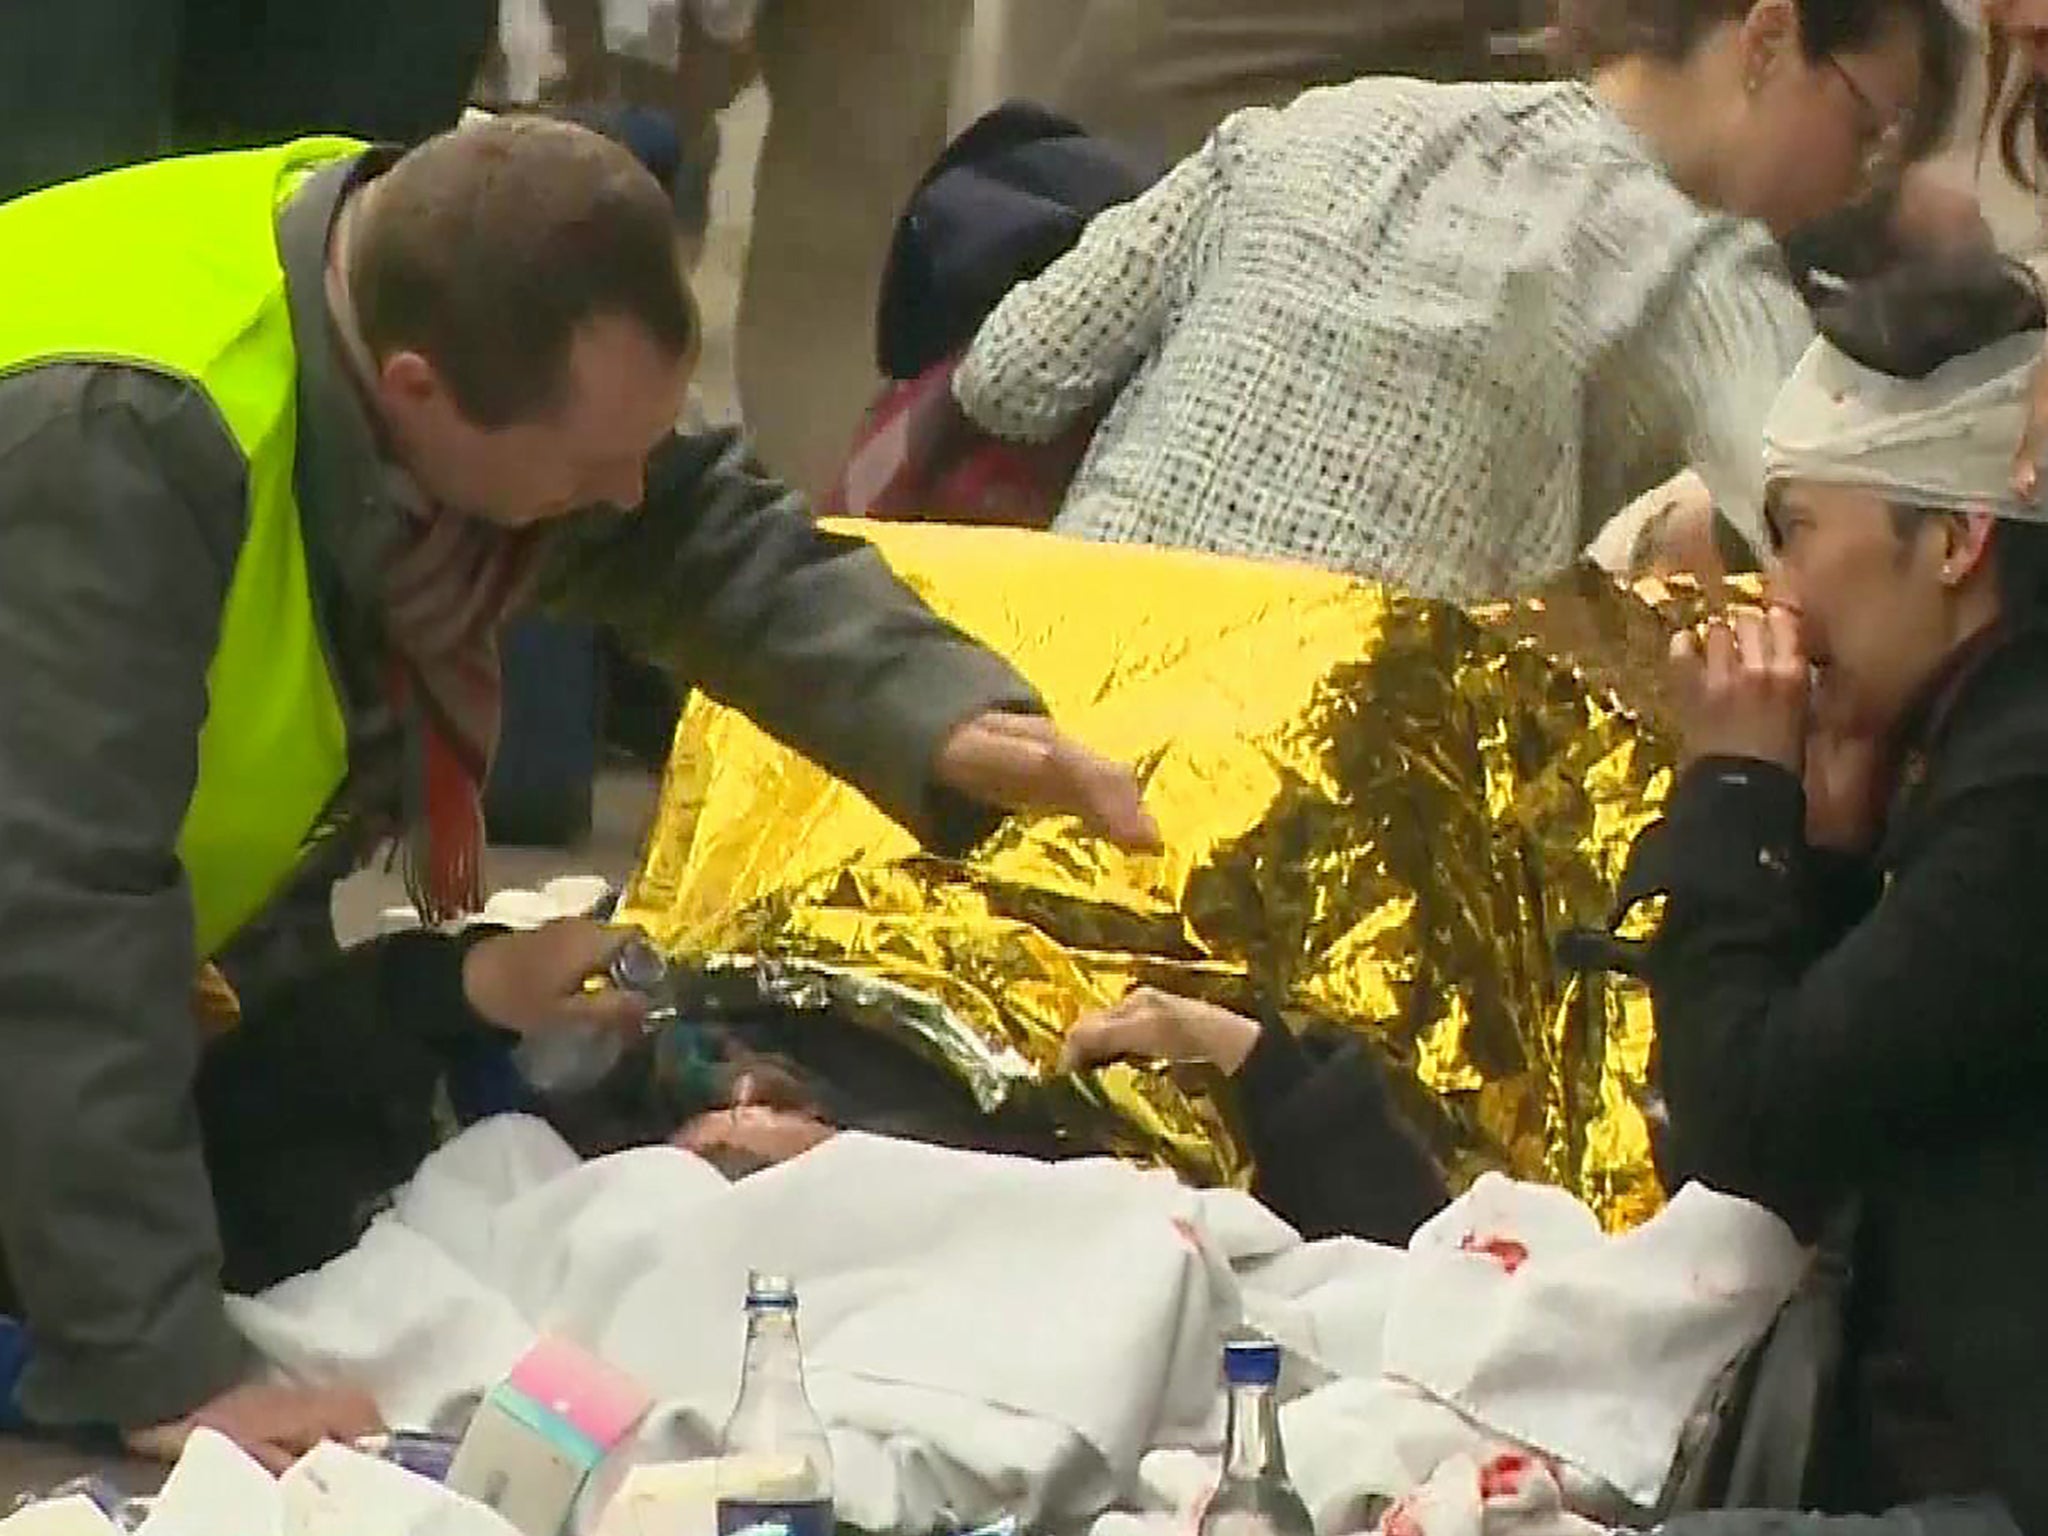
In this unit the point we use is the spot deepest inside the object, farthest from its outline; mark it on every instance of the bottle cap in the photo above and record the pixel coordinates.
(638, 967)
(766, 1289)
(1251, 1362)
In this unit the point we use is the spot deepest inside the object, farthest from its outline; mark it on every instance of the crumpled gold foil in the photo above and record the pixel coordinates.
(1378, 810)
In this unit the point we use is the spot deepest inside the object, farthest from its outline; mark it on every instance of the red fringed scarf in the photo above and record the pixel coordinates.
(447, 594)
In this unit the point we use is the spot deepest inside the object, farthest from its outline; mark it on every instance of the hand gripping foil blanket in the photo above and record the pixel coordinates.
(1379, 811)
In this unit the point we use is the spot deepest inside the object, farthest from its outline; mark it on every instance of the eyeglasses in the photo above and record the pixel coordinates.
(1884, 130)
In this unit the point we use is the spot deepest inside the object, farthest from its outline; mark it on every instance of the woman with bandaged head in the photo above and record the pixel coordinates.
(1849, 968)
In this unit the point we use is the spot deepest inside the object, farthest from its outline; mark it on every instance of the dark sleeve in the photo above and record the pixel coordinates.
(1334, 1156)
(415, 979)
(1797, 1059)
(723, 577)
(121, 513)
(326, 1097)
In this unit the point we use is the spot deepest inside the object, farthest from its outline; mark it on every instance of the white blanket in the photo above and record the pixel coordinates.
(216, 1490)
(988, 1336)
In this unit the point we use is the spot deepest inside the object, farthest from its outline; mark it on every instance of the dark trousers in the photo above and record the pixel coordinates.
(1161, 74)
(90, 84)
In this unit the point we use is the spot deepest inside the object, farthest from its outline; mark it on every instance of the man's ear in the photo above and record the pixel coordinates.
(407, 378)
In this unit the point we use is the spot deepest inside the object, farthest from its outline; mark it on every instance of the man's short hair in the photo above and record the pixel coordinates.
(487, 248)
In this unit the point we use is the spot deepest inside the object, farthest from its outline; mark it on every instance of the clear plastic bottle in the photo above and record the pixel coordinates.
(1255, 1496)
(775, 1467)
(574, 1059)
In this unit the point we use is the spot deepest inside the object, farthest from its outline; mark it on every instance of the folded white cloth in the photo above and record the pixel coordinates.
(73, 1516)
(1506, 1494)
(1516, 1310)
(983, 1335)
(217, 1490)
(989, 1336)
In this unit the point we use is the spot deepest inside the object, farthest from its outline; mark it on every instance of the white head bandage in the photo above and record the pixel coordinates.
(1945, 442)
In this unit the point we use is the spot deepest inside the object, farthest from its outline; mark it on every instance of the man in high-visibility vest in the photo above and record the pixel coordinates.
(284, 436)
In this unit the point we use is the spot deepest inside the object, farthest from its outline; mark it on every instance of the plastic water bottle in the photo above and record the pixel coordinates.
(775, 1466)
(1255, 1496)
(577, 1058)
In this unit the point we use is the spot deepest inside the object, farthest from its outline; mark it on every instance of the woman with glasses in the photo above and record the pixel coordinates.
(1438, 334)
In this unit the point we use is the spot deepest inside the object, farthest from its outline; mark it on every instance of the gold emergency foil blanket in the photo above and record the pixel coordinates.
(1377, 809)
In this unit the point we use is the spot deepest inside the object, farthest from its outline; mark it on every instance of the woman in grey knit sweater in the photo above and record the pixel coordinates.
(1437, 334)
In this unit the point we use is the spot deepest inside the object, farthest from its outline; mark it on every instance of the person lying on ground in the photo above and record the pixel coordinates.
(309, 1105)
(1333, 1153)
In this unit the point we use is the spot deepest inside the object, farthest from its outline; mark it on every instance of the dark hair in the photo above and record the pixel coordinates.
(1592, 33)
(1930, 310)
(488, 247)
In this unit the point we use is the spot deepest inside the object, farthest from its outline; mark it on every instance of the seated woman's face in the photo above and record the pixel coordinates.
(1870, 598)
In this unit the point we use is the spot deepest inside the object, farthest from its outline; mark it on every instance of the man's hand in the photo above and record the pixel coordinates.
(1746, 687)
(533, 982)
(1157, 1026)
(275, 1424)
(1024, 763)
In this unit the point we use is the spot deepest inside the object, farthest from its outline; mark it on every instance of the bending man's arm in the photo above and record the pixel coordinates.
(723, 576)
(119, 527)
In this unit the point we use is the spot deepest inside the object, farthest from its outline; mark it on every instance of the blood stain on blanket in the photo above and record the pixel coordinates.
(1401, 1520)
(1504, 1251)
(1501, 1478)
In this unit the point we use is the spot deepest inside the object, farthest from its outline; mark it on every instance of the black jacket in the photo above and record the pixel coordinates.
(1335, 1156)
(1829, 1034)
(1006, 199)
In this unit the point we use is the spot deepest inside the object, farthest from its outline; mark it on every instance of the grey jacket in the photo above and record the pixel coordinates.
(122, 511)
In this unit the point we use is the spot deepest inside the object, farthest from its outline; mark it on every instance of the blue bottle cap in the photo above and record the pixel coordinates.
(1252, 1362)
(766, 1289)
